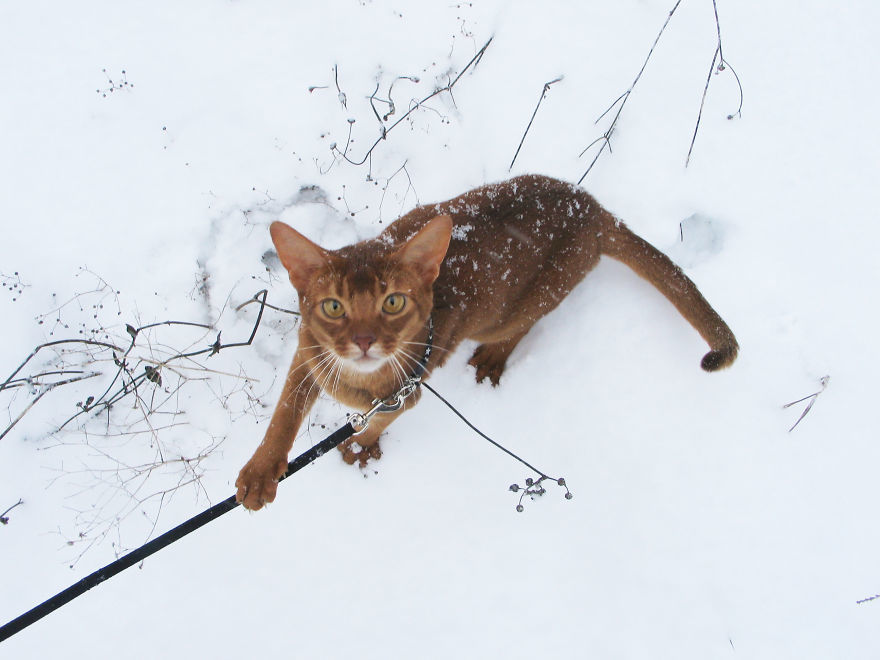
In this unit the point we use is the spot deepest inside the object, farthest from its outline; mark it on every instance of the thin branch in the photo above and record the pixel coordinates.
(125, 371)
(723, 64)
(540, 100)
(409, 186)
(340, 93)
(623, 98)
(373, 105)
(475, 60)
(32, 381)
(41, 394)
(4, 519)
(59, 342)
(812, 399)
(142, 394)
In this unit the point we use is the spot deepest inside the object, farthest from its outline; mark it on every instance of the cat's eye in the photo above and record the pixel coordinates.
(333, 308)
(394, 303)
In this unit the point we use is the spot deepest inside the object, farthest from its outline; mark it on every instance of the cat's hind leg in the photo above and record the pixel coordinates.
(490, 359)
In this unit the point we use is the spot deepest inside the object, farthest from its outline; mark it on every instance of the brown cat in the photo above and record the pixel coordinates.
(484, 266)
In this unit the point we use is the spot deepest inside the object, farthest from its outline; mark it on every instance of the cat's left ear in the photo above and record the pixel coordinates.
(425, 251)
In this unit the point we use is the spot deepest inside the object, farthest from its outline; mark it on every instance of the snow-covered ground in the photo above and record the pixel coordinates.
(700, 527)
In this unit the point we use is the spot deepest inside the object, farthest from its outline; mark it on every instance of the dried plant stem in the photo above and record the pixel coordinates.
(4, 519)
(540, 100)
(718, 64)
(384, 131)
(812, 399)
(59, 342)
(125, 382)
(622, 99)
(43, 392)
(717, 57)
(260, 298)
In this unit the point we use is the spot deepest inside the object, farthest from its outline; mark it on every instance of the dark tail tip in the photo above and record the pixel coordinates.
(715, 360)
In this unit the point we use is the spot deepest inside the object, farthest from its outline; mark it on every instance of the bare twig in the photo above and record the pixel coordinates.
(384, 131)
(101, 293)
(719, 64)
(126, 380)
(622, 99)
(392, 108)
(409, 187)
(153, 373)
(812, 399)
(540, 100)
(4, 519)
(129, 482)
(44, 391)
(868, 599)
(340, 93)
(59, 342)
(723, 65)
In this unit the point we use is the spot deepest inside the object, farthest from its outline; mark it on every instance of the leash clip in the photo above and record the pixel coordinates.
(360, 421)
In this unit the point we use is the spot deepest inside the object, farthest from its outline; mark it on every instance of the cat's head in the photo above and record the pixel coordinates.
(367, 304)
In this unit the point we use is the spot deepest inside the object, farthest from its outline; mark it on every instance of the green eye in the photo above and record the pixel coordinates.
(333, 308)
(394, 303)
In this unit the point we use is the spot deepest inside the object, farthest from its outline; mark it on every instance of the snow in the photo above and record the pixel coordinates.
(700, 526)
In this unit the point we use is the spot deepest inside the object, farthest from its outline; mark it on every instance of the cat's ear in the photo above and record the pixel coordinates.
(298, 254)
(425, 251)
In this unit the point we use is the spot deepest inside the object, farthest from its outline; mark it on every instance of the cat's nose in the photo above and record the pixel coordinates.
(364, 342)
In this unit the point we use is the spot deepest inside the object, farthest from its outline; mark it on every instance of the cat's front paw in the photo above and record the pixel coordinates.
(257, 482)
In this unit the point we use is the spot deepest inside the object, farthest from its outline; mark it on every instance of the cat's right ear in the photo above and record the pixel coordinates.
(298, 254)
(425, 251)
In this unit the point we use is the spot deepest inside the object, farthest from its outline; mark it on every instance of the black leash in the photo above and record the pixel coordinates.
(358, 420)
(169, 537)
(533, 488)
(356, 424)
(480, 433)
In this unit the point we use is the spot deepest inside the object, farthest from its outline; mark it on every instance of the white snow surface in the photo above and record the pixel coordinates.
(700, 526)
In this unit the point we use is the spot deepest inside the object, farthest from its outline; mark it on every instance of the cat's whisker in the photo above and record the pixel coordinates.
(408, 360)
(395, 369)
(318, 373)
(333, 368)
(327, 377)
(320, 358)
(320, 379)
(411, 358)
(399, 371)
(408, 365)
(339, 365)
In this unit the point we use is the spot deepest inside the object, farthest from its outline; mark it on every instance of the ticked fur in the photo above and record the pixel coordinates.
(485, 266)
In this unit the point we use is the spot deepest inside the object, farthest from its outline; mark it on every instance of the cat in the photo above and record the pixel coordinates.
(484, 266)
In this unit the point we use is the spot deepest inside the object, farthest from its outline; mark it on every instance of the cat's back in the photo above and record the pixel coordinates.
(531, 205)
(504, 236)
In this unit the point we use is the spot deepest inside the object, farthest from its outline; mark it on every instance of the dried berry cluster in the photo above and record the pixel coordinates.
(114, 85)
(13, 284)
(535, 489)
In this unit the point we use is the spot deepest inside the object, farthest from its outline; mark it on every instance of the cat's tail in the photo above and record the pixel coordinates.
(618, 242)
